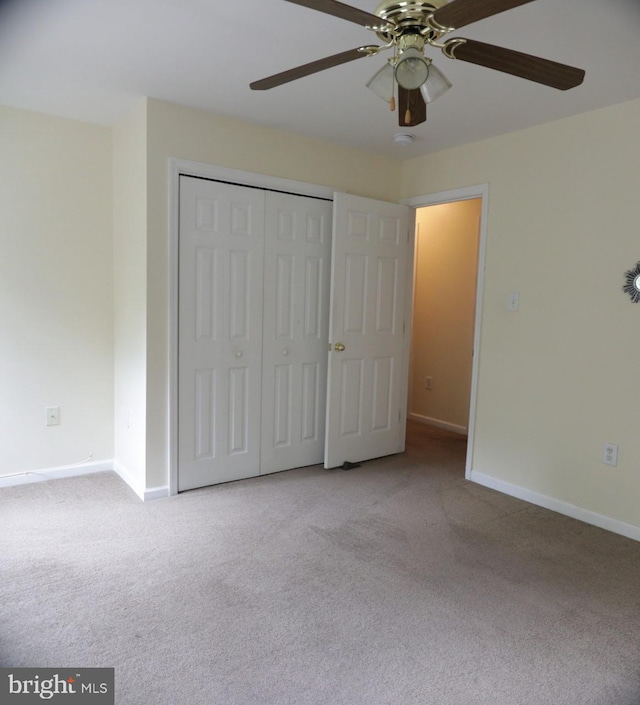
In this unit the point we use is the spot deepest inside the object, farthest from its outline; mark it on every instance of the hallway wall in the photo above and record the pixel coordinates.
(443, 312)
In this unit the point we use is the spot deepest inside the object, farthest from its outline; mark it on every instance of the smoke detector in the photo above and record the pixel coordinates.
(403, 139)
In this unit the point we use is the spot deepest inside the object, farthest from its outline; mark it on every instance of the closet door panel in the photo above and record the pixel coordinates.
(295, 330)
(369, 358)
(221, 266)
(253, 329)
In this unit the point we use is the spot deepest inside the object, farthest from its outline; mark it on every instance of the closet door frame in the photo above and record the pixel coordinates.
(182, 167)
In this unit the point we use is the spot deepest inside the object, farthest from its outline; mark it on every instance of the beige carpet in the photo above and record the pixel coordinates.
(396, 583)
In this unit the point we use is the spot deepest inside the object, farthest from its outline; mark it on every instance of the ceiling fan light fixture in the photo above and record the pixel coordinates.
(383, 83)
(412, 69)
(437, 84)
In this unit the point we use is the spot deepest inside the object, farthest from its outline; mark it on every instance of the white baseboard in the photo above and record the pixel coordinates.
(128, 479)
(159, 492)
(45, 474)
(145, 493)
(556, 505)
(25, 478)
(439, 424)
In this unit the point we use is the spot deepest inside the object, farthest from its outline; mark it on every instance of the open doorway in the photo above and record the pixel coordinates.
(444, 315)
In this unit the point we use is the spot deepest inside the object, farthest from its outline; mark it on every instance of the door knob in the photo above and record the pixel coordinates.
(339, 347)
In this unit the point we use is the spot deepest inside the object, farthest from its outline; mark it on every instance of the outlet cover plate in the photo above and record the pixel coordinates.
(610, 454)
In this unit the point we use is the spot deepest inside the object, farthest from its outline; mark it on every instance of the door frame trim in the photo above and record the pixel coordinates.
(185, 167)
(464, 194)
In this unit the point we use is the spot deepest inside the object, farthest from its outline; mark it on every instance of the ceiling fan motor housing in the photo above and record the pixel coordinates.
(408, 17)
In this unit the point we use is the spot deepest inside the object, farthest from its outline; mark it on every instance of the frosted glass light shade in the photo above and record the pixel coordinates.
(412, 69)
(383, 83)
(436, 84)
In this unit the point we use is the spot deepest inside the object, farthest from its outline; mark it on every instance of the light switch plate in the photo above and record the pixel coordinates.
(52, 415)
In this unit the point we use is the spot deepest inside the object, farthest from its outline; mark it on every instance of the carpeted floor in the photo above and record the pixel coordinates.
(397, 583)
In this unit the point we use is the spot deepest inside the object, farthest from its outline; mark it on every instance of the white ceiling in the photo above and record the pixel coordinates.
(91, 60)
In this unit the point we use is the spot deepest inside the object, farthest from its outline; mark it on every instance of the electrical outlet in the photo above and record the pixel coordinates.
(52, 415)
(428, 382)
(514, 301)
(610, 454)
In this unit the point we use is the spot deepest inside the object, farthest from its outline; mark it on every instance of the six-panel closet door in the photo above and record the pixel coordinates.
(253, 325)
(296, 329)
(220, 291)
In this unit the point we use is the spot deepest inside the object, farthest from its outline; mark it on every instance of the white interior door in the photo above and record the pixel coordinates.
(255, 314)
(367, 375)
(296, 328)
(220, 332)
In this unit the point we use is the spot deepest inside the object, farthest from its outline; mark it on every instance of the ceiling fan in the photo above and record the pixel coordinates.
(406, 27)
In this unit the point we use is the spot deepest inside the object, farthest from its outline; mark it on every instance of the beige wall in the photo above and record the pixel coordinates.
(559, 378)
(446, 259)
(174, 131)
(56, 341)
(130, 295)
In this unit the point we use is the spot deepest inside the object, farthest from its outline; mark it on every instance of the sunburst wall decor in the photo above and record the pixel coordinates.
(632, 283)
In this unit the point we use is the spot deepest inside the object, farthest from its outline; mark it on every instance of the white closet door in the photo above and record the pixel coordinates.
(296, 327)
(368, 361)
(220, 332)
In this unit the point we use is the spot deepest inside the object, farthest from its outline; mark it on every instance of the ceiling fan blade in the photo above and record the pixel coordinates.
(533, 68)
(307, 69)
(412, 110)
(460, 13)
(339, 9)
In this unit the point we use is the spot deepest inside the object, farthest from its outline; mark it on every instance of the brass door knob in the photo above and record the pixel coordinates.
(339, 347)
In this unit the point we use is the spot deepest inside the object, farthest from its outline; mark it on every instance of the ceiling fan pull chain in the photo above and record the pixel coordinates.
(392, 104)
(407, 117)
